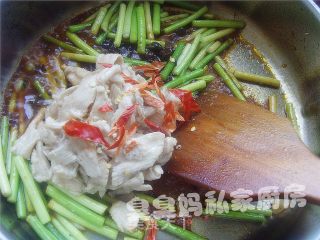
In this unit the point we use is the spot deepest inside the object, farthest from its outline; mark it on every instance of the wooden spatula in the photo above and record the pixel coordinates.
(240, 145)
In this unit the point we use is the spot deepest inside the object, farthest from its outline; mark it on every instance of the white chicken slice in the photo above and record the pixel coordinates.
(134, 184)
(115, 94)
(125, 102)
(77, 103)
(117, 59)
(101, 99)
(153, 173)
(93, 185)
(169, 144)
(75, 74)
(108, 59)
(106, 76)
(67, 178)
(94, 165)
(54, 124)
(48, 136)
(103, 125)
(125, 216)
(25, 144)
(87, 156)
(147, 151)
(62, 154)
(53, 109)
(40, 165)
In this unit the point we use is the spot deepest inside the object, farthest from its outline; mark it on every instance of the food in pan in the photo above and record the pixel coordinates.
(90, 111)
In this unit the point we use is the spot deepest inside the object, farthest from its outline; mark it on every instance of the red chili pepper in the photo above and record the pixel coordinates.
(124, 118)
(155, 81)
(158, 91)
(153, 126)
(84, 131)
(150, 69)
(132, 129)
(151, 100)
(155, 66)
(158, 64)
(105, 108)
(118, 142)
(131, 81)
(128, 79)
(188, 103)
(178, 92)
(169, 120)
(170, 117)
(152, 230)
(119, 126)
(107, 65)
(188, 223)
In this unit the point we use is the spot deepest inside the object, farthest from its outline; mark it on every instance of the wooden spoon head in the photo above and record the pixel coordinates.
(240, 145)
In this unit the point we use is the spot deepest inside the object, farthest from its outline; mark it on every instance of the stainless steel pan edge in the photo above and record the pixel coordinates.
(270, 26)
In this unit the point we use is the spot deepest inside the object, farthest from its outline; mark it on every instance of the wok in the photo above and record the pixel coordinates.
(288, 36)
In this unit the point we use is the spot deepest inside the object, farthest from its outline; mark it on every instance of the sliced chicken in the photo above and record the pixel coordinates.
(54, 108)
(144, 155)
(102, 107)
(134, 184)
(125, 216)
(153, 173)
(100, 98)
(113, 59)
(26, 143)
(76, 105)
(40, 166)
(48, 136)
(169, 144)
(62, 154)
(75, 74)
(67, 178)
